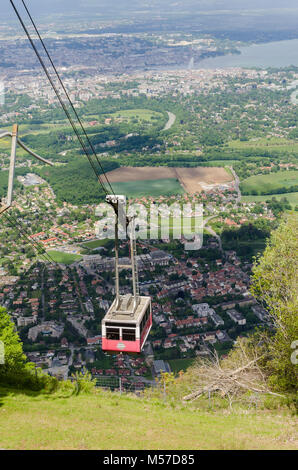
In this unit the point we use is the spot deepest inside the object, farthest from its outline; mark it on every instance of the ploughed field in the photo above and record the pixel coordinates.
(134, 181)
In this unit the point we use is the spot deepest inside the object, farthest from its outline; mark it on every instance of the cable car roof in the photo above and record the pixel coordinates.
(125, 305)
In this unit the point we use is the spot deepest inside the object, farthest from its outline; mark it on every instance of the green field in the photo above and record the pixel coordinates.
(162, 187)
(291, 197)
(96, 243)
(64, 258)
(108, 421)
(180, 364)
(273, 143)
(263, 184)
(140, 114)
(223, 163)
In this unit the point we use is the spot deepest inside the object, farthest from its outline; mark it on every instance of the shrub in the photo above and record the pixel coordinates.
(84, 382)
(16, 371)
(275, 286)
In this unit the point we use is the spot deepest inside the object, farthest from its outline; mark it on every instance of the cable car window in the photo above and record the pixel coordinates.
(145, 319)
(112, 333)
(128, 335)
(142, 324)
(121, 325)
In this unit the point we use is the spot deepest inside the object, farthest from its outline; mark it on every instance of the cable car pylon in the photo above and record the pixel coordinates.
(14, 142)
(128, 322)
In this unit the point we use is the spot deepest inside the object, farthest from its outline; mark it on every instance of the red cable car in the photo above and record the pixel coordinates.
(128, 321)
(127, 332)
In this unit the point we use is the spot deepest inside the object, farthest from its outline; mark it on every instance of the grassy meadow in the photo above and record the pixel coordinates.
(107, 420)
(263, 143)
(263, 184)
(291, 197)
(139, 114)
(64, 258)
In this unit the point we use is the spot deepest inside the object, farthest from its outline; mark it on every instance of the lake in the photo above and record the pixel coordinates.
(272, 54)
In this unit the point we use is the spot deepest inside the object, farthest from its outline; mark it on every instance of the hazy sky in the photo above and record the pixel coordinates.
(100, 7)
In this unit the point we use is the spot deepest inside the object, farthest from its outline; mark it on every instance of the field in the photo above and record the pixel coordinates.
(158, 187)
(95, 243)
(109, 421)
(273, 143)
(263, 184)
(140, 114)
(195, 179)
(221, 163)
(291, 197)
(64, 258)
(138, 173)
(191, 179)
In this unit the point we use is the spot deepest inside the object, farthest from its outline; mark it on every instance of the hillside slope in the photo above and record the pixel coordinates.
(109, 421)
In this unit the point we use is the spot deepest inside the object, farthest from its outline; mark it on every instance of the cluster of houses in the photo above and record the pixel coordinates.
(124, 367)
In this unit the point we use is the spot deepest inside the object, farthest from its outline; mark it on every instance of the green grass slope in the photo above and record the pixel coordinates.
(110, 421)
(291, 197)
(264, 184)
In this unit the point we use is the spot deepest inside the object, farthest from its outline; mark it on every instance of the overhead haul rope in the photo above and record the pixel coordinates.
(67, 95)
(79, 137)
(27, 236)
(34, 244)
(64, 107)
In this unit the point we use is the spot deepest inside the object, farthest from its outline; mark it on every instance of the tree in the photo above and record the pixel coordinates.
(13, 351)
(275, 285)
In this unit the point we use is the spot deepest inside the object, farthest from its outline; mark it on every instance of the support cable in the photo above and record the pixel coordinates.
(66, 93)
(64, 106)
(26, 236)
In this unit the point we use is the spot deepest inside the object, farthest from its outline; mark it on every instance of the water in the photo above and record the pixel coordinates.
(272, 54)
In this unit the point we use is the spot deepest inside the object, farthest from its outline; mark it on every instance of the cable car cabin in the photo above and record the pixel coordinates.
(126, 329)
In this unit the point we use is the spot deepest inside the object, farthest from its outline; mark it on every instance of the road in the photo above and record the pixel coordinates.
(43, 302)
(294, 95)
(211, 231)
(238, 200)
(237, 184)
(172, 119)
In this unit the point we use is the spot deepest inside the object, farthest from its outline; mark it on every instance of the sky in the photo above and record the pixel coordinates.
(41, 8)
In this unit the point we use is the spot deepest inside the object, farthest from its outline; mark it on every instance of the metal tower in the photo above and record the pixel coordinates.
(14, 141)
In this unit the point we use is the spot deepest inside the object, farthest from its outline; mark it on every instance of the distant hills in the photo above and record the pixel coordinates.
(253, 20)
(132, 8)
